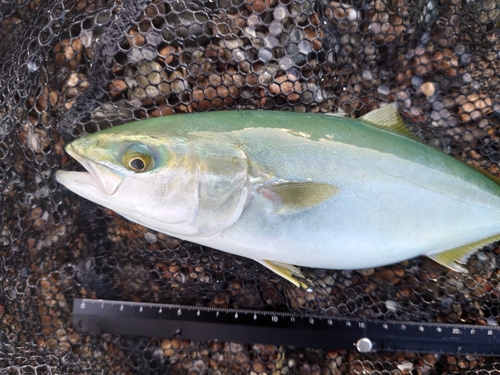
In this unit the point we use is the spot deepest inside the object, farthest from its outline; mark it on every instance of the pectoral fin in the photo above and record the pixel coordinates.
(388, 118)
(453, 257)
(295, 196)
(287, 271)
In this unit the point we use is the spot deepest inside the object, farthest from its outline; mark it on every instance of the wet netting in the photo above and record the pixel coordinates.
(73, 67)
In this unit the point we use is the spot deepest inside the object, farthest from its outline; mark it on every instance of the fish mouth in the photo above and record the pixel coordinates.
(98, 176)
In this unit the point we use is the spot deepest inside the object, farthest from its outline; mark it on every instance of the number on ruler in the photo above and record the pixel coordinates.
(274, 318)
(236, 316)
(456, 331)
(82, 305)
(490, 332)
(179, 312)
(311, 320)
(361, 325)
(140, 309)
(121, 307)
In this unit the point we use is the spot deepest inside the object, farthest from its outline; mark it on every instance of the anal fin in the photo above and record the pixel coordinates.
(453, 258)
(287, 271)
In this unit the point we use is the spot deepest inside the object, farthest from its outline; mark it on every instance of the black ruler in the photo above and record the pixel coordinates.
(278, 328)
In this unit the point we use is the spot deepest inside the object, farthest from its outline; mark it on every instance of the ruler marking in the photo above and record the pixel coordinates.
(206, 308)
(281, 328)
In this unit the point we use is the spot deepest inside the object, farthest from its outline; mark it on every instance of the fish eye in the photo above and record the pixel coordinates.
(137, 165)
(138, 160)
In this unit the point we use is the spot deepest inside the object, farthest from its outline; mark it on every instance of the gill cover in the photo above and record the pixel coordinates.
(223, 181)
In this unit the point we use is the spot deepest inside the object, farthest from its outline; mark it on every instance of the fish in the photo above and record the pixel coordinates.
(291, 189)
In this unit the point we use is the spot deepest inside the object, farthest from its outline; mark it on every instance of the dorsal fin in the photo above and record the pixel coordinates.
(388, 118)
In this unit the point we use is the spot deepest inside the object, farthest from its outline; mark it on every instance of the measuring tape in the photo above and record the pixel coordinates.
(280, 328)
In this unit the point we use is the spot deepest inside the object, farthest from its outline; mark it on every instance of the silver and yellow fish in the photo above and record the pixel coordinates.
(290, 189)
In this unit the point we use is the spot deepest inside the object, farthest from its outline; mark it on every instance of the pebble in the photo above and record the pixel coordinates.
(428, 88)
(280, 13)
(384, 90)
(150, 237)
(367, 271)
(169, 352)
(367, 74)
(166, 344)
(391, 305)
(152, 92)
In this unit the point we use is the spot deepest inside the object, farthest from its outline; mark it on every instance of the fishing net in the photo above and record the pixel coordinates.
(73, 67)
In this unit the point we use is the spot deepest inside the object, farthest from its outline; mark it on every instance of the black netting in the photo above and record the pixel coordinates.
(73, 67)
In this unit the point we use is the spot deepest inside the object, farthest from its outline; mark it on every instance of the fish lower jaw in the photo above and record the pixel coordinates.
(181, 231)
(82, 183)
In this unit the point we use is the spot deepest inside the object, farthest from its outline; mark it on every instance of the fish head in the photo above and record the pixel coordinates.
(182, 185)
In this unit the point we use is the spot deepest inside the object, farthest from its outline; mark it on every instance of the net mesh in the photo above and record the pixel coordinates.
(73, 67)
